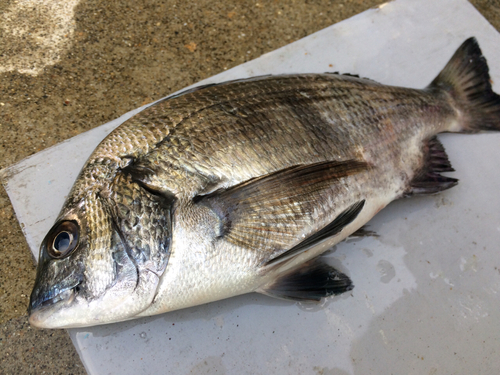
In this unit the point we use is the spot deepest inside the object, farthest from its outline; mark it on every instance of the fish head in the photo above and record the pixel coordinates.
(101, 262)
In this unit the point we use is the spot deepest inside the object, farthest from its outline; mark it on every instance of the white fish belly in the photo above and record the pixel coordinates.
(199, 272)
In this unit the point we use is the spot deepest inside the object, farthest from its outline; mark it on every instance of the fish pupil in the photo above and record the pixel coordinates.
(62, 241)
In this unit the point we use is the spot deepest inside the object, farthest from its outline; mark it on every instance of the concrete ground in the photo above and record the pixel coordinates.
(69, 66)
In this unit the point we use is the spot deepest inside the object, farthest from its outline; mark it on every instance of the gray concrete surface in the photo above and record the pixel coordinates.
(66, 67)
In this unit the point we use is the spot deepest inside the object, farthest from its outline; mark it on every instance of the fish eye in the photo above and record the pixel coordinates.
(63, 239)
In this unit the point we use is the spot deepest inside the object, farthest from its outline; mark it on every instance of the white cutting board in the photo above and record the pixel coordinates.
(426, 297)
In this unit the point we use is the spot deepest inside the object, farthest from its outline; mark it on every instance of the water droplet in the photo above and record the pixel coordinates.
(143, 335)
(368, 252)
(386, 270)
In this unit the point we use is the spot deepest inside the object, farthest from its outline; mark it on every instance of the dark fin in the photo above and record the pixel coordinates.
(335, 227)
(428, 179)
(351, 75)
(467, 80)
(354, 77)
(363, 232)
(249, 212)
(312, 281)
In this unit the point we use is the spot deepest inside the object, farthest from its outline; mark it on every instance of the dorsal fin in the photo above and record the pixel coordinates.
(354, 76)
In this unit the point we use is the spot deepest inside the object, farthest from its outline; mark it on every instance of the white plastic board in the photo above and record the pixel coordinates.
(426, 297)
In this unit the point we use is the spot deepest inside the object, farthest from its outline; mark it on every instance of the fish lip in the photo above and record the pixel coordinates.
(48, 298)
(41, 312)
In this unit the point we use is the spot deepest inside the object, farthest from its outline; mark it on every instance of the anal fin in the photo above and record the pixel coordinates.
(428, 179)
(312, 281)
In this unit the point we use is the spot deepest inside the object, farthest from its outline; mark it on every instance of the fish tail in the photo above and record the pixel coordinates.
(466, 79)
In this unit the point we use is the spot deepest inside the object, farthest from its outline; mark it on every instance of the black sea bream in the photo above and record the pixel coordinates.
(239, 187)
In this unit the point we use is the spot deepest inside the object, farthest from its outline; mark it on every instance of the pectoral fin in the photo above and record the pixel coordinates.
(332, 229)
(266, 214)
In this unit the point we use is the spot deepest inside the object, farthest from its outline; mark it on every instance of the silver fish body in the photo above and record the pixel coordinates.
(239, 187)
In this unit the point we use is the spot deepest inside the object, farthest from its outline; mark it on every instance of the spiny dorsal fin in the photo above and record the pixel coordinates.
(428, 179)
(312, 281)
(354, 76)
(266, 214)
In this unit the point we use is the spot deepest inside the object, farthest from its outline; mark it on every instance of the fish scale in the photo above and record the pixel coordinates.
(240, 187)
(232, 142)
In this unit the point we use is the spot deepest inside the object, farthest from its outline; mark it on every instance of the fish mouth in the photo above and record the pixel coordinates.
(45, 300)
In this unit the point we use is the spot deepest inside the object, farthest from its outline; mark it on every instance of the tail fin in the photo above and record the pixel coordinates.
(466, 79)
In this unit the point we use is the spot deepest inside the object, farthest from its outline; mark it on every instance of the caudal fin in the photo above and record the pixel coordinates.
(466, 79)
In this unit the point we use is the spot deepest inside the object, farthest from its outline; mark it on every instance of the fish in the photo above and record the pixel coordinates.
(239, 187)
